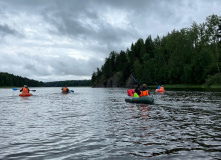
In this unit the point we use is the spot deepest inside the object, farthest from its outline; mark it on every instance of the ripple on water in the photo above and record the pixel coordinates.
(85, 125)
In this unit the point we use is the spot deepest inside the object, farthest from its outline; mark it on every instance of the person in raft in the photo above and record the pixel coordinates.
(25, 89)
(137, 91)
(144, 91)
(65, 89)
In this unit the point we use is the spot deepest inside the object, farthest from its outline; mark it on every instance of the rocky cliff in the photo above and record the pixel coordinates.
(114, 81)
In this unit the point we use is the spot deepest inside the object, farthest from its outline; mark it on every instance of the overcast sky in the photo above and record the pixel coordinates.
(52, 40)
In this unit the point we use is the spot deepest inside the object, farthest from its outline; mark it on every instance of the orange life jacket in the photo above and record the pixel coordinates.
(144, 93)
(25, 90)
(161, 88)
(65, 89)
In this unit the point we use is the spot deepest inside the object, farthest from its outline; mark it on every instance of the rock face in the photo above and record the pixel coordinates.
(130, 82)
(115, 81)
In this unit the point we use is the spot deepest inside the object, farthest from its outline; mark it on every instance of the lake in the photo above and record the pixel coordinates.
(97, 124)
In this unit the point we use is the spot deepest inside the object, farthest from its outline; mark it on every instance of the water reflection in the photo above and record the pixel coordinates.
(140, 110)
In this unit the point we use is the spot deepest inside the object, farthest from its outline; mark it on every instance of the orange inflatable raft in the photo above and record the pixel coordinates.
(25, 94)
(160, 89)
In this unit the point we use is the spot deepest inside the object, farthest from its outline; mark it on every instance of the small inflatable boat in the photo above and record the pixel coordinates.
(25, 94)
(65, 92)
(132, 99)
(160, 89)
(68, 92)
(145, 99)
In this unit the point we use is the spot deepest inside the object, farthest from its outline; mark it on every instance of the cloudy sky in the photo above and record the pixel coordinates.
(51, 40)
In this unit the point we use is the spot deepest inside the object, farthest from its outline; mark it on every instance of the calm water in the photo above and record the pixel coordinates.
(97, 123)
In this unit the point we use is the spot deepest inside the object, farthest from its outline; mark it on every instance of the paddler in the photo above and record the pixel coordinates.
(144, 91)
(65, 89)
(137, 91)
(25, 89)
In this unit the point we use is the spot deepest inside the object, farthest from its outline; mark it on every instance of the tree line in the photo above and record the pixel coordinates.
(69, 83)
(7, 79)
(10, 80)
(186, 56)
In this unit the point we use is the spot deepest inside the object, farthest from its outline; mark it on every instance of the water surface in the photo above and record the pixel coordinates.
(97, 123)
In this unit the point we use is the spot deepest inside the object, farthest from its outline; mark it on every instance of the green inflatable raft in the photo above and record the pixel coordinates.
(145, 99)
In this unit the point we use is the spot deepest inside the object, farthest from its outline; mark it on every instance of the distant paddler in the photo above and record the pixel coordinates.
(160, 89)
(25, 91)
(65, 89)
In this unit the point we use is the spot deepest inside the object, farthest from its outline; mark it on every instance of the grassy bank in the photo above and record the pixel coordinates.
(194, 86)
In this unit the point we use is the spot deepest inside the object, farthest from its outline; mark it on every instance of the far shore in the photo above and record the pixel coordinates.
(185, 86)
(168, 86)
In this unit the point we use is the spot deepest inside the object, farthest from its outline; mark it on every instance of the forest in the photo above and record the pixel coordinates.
(186, 56)
(82, 83)
(9, 80)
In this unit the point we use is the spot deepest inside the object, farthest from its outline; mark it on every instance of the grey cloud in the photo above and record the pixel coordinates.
(74, 25)
(67, 65)
(6, 30)
(67, 18)
(32, 65)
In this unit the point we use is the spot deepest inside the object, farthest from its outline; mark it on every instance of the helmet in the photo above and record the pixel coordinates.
(25, 86)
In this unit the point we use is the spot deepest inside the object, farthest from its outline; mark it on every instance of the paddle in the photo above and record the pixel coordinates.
(134, 79)
(158, 85)
(69, 91)
(15, 89)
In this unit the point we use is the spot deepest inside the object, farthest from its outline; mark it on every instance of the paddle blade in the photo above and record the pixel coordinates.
(33, 90)
(14, 89)
(134, 79)
(72, 91)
